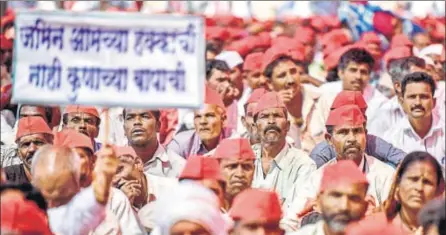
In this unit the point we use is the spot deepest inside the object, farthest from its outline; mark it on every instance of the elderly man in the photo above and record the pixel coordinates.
(422, 130)
(341, 199)
(236, 160)
(83, 119)
(354, 69)
(391, 112)
(248, 119)
(32, 134)
(140, 126)
(278, 165)
(55, 171)
(347, 134)
(209, 122)
(256, 212)
(375, 146)
(120, 216)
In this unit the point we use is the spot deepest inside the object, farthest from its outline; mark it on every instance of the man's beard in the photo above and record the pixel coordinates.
(336, 225)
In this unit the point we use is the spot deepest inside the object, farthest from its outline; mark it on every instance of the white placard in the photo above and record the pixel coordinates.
(109, 59)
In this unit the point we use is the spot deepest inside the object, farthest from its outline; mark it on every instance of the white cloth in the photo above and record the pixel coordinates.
(390, 113)
(164, 163)
(379, 176)
(81, 215)
(116, 133)
(433, 49)
(232, 58)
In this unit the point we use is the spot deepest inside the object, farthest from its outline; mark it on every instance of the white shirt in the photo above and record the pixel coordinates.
(164, 163)
(379, 176)
(390, 113)
(290, 166)
(79, 216)
(404, 137)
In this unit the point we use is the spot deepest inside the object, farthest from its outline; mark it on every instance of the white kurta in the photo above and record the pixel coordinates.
(291, 166)
(379, 175)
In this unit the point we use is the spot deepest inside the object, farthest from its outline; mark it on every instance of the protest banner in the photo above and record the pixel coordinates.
(109, 59)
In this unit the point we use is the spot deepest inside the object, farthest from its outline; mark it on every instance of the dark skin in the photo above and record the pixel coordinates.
(28, 145)
(355, 77)
(239, 174)
(349, 141)
(83, 123)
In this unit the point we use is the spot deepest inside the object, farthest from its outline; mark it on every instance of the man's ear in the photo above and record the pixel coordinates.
(288, 124)
(224, 119)
(244, 121)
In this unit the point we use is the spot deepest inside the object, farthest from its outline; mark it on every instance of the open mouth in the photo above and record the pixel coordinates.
(138, 132)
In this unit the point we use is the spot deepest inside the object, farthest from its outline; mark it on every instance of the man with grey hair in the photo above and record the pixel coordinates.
(392, 112)
(56, 173)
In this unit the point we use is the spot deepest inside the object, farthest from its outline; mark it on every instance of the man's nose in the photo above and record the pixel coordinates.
(32, 148)
(290, 80)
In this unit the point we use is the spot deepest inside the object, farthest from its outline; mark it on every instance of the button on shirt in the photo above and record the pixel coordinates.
(379, 176)
(164, 163)
(291, 166)
(403, 136)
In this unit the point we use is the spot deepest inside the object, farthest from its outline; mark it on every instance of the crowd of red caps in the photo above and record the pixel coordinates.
(259, 43)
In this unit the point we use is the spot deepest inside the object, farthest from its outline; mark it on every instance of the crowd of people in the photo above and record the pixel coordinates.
(305, 129)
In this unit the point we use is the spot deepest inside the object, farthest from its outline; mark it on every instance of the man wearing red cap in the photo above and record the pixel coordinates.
(256, 212)
(375, 146)
(83, 119)
(236, 160)
(248, 119)
(354, 70)
(252, 69)
(32, 134)
(341, 199)
(140, 127)
(209, 122)
(278, 165)
(347, 134)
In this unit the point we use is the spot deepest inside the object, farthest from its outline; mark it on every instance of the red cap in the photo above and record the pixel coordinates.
(304, 34)
(375, 224)
(263, 40)
(242, 47)
(256, 205)
(396, 53)
(212, 97)
(236, 33)
(216, 32)
(341, 173)
(345, 115)
(234, 148)
(5, 44)
(370, 37)
(6, 20)
(318, 23)
(337, 36)
(332, 60)
(229, 20)
(273, 54)
(256, 95)
(72, 139)
(382, 22)
(349, 98)
(6, 92)
(253, 62)
(269, 100)
(400, 40)
(290, 47)
(199, 168)
(24, 217)
(32, 125)
(125, 150)
(82, 109)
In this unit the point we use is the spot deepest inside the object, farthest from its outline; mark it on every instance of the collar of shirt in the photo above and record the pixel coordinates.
(436, 126)
(202, 149)
(160, 154)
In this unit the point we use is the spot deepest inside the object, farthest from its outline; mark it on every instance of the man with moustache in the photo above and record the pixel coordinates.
(278, 165)
(83, 119)
(341, 199)
(140, 127)
(346, 132)
(422, 129)
(32, 134)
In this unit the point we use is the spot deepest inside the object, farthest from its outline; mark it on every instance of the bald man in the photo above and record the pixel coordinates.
(56, 172)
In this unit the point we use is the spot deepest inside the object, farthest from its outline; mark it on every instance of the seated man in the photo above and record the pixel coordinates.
(278, 165)
(256, 211)
(248, 119)
(347, 134)
(140, 126)
(32, 134)
(209, 123)
(422, 130)
(83, 119)
(375, 146)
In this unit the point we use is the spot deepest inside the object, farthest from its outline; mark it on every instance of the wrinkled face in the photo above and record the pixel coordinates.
(286, 76)
(342, 205)
(57, 189)
(140, 127)
(418, 185)
(257, 228)
(272, 125)
(87, 161)
(33, 111)
(209, 122)
(28, 145)
(216, 187)
(248, 122)
(185, 227)
(219, 79)
(84, 123)
(255, 79)
(349, 141)
(355, 77)
(421, 41)
(418, 101)
(238, 174)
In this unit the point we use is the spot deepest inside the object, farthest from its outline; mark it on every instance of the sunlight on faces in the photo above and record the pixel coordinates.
(343, 204)
(209, 122)
(418, 185)
(349, 141)
(238, 174)
(185, 227)
(140, 127)
(286, 76)
(417, 100)
(84, 123)
(355, 77)
(272, 125)
(28, 145)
